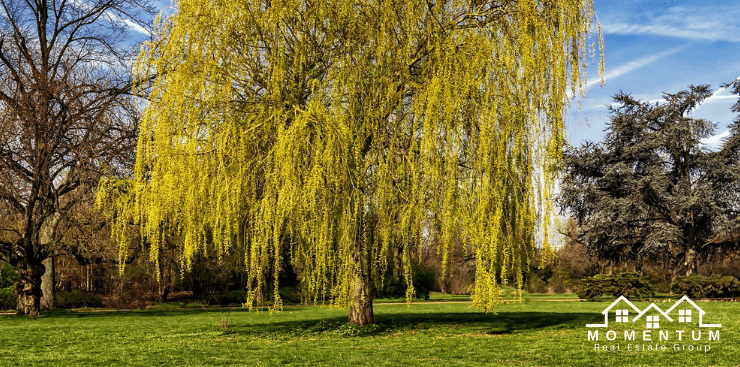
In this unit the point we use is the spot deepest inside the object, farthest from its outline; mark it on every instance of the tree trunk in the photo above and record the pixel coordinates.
(361, 310)
(28, 289)
(164, 291)
(690, 261)
(163, 277)
(163, 285)
(48, 282)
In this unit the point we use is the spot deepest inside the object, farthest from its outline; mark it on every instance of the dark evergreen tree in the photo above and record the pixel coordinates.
(651, 187)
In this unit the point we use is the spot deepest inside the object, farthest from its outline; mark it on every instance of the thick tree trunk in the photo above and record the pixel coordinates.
(163, 285)
(28, 289)
(48, 282)
(361, 310)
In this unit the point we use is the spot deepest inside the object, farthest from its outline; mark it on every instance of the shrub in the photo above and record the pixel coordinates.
(699, 286)
(424, 279)
(535, 284)
(77, 299)
(7, 298)
(630, 285)
(290, 294)
(8, 276)
(235, 297)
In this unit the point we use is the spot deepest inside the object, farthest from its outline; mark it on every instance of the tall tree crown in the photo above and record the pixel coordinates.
(335, 129)
(64, 115)
(651, 186)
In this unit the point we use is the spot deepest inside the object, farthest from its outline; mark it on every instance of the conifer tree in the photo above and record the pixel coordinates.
(651, 186)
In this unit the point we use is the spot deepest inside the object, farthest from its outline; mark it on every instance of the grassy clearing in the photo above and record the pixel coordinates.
(526, 333)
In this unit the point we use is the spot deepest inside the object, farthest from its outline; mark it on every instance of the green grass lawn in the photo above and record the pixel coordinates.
(521, 333)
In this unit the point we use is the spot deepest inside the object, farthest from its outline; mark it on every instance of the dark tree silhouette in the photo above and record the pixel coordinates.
(651, 186)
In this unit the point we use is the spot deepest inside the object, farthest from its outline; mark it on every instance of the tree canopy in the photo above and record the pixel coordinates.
(334, 129)
(651, 186)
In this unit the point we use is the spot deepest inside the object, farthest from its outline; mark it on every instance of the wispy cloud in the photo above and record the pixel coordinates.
(128, 23)
(721, 96)
(700, 23)
(636, 64)
(716, 140)
(136, 27)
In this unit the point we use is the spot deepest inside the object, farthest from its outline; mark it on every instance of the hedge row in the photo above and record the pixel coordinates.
(633, 285)
(698, 286)
(630, 285)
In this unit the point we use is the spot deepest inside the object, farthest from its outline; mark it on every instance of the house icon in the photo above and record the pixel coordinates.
(684, 311)
(621, 313)
(653, 321)
(689, 312)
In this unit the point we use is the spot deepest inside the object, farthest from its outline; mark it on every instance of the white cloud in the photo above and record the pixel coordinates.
(700, 23)
(136, 27)
(716, 140)
(115, 18)
(636, 64)
(719, 94)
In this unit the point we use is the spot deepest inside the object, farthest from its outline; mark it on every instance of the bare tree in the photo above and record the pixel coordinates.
(66, 116)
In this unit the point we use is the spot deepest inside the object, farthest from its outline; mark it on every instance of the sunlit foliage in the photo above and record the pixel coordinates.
(337, 128)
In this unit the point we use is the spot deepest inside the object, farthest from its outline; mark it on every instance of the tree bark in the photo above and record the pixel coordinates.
(164, 291)
(48, 282)
(361, 309)
(690, 261)
(28, 289)
(163, 285)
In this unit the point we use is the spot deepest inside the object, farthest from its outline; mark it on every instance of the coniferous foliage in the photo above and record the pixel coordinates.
(651, 187)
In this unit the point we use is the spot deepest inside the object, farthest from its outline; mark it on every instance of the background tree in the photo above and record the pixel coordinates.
(341, 127)
(651, 186)
(64, 118)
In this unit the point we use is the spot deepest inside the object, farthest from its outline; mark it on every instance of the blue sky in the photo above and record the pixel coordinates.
(656, 46)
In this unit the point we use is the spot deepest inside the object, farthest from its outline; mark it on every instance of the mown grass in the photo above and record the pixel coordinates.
(521, 333)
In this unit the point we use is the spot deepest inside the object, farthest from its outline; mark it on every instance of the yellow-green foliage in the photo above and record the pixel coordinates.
(337, 128)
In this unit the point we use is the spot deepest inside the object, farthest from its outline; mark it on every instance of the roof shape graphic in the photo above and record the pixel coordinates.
(652, 306)
(621, 298)
(687, 299)
(640, 313)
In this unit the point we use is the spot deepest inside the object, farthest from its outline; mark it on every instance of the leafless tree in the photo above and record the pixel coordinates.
(66, 116)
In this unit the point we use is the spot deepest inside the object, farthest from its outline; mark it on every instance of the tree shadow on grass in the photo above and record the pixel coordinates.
(492, 324)
(385, 323)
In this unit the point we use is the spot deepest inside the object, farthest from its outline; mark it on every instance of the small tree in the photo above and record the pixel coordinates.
(651, 185)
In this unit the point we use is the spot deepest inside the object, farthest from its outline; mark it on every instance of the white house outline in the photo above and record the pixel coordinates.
(606, 312)
(652, 305)
(701, 312)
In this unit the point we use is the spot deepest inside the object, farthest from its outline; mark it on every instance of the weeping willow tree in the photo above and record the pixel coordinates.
(331, 131)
